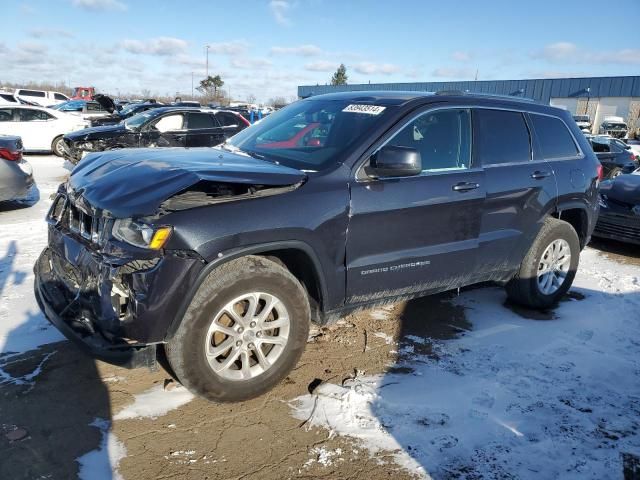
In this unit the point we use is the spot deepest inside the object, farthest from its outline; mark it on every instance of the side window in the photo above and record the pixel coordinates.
(600, 146)
(443, 139)
(554, 137)
(25, 115)
(200, 120)
(32, 93)
(6, 114)
(501, 136)
(59, 96)
(170, 123)
(227, 119)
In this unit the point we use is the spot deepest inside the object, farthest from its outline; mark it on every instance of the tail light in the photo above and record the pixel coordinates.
(246, 122)
(12, 155)
(600, 172)
(633, 156)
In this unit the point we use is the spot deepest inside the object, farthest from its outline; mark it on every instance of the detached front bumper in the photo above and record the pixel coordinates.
(116, 308)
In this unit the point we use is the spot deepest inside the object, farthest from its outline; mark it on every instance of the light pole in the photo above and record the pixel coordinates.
(191, 85)
(206, 47)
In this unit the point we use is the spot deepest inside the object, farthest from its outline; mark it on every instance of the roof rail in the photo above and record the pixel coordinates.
(515, 95)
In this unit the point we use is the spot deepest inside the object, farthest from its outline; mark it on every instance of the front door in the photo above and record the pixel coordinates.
(167, 131)
(420, 233)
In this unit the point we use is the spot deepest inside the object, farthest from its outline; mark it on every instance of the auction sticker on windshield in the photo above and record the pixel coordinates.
(370, 109)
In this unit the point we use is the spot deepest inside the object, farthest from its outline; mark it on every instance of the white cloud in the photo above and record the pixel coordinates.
(371, 68)
(301, 50)
(100, 5)
(321, 66)
(161, 46)
(235, 47)
(45, 32)
(280, 10)
(570, 53)
(461, 56)
(247, 63)
(453, 72)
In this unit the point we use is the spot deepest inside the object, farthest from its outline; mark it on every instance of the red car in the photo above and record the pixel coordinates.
(293, 134)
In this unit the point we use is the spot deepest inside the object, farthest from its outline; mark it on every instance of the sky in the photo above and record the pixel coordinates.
(267, 48)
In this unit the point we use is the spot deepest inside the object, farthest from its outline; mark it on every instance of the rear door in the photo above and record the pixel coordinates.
(520, 189)
(167, 131)
(203, 130)
(231, 124)
(419, 233)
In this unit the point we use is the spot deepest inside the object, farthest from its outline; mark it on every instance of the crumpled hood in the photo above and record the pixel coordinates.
(624, 188)
(134, 182)
(95, 133)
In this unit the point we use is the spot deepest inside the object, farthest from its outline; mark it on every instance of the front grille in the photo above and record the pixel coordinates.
(90, 226)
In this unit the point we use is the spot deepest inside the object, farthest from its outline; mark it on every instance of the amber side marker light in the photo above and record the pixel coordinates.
(160, 237)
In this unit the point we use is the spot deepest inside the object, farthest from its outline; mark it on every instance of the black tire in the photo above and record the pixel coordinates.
(56, 146)
(523, 287)
(614, 172)
(186, 350)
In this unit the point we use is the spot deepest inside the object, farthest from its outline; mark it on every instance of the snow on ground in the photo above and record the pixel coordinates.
(514, 397)
(155, 402)
(102, 463)
(23, 235)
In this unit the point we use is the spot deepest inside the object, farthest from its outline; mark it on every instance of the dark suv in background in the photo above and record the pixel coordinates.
(159, 127)
(224, 256)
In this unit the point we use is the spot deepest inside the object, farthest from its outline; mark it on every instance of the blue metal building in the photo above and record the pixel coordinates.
(542, 90)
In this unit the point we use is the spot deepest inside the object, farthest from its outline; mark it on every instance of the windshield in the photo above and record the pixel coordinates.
(310, 134)
(581, 118)
(138, 120)
(128, 109)
(615, 126)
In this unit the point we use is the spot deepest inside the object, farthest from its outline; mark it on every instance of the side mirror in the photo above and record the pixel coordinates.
(391, 161)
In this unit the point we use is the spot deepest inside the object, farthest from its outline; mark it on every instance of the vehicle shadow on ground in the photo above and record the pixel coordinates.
(615, 247)
(50, 420)
(512, 397)
(6, 268)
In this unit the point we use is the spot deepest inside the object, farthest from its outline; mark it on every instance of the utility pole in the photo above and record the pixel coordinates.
(206, 47)
(191, 85)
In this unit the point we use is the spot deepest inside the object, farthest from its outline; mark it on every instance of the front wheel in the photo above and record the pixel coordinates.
(548, 269)
(244, 331)
(57, 146)
(615, 172)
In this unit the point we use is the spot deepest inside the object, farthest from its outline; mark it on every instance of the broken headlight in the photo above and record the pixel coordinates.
(91, 146)
(140, 234)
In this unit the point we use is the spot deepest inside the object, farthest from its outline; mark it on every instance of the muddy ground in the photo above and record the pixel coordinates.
(46, 411)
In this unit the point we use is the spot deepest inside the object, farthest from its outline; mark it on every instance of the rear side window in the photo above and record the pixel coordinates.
(554, 137)
(31, 93)
(59, 96)
(7, 97)
(6, 114)
(501, 137)
(200, 120)
(443, 139)
(25, 115)
(227, 119)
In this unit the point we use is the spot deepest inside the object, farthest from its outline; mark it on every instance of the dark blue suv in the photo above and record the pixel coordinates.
(224, 256)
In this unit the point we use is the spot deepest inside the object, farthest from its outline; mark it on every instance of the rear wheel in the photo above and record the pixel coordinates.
(548, 270)
(615, 172)
(57, 146)
(244, 331)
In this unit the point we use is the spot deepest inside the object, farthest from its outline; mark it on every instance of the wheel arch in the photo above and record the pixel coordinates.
(297, 256)
(576, 215)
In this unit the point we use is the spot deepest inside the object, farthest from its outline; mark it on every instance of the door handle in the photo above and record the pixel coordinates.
(465, 186)
(540, 174)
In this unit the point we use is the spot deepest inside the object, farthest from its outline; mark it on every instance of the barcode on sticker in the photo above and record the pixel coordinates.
(370, 109)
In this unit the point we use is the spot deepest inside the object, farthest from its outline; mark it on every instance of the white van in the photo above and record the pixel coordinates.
(43, 98)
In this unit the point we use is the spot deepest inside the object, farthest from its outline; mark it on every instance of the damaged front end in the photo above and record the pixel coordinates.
(114, 276)
(111, 298)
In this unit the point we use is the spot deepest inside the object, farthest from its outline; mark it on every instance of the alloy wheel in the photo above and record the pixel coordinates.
(554, 266)
(247, 336)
